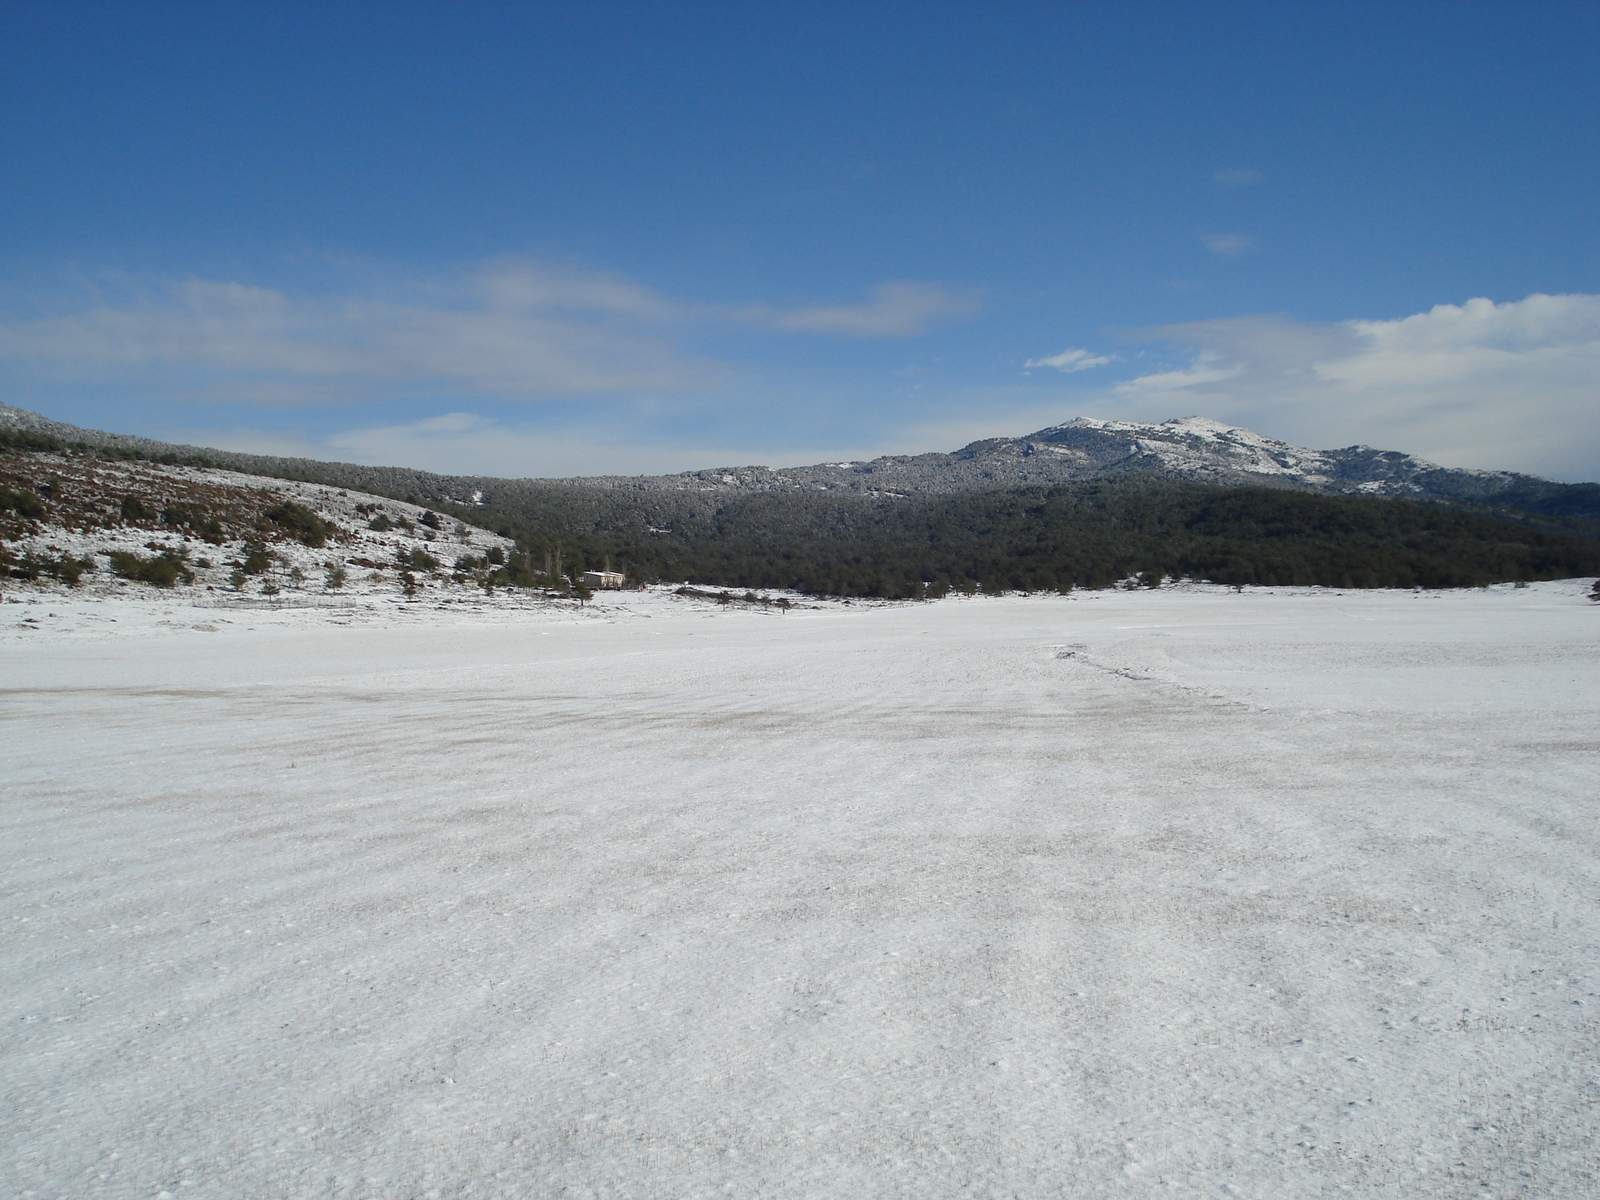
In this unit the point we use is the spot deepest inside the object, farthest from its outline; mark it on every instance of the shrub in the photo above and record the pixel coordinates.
(134, 509)
(381, 523)
(335, 579)
(256, 560)
(19, 439)
(300, 522)
(430, 519)
(207, 527)
(417, 560)
(67, 569)
(164, 570)
(24, 504)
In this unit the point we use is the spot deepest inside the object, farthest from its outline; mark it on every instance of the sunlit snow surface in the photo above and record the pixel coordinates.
(1278, 895)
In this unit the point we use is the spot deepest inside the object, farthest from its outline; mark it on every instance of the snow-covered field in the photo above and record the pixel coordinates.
(1130, 894)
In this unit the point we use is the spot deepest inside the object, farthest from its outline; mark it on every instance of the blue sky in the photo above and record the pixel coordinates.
(578, 238)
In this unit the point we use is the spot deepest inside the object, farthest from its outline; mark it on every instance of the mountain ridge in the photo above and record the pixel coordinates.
(1193, 449)
(1197, 449)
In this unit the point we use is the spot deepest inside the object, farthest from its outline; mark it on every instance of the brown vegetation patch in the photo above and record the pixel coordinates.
(85, 494)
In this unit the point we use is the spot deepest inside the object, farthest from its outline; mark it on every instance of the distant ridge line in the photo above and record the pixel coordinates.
(1192, 449)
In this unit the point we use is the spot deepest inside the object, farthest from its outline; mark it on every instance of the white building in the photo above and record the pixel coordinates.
(603, 579)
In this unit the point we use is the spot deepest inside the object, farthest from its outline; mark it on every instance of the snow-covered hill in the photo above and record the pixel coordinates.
(114, 526)
(1200, 448)
(1189, 448)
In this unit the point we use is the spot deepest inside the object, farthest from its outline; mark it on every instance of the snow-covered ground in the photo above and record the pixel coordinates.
(1130, 894)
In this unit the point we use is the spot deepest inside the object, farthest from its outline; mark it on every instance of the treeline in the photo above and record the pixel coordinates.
(28, 441)
(1035, 539)
(1030, 538)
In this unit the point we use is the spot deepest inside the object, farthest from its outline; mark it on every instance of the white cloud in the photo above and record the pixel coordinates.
(895, 310)
(515, 285)
(1203, 370)
(1514, 386)
(1228, 245)
(1069, 361)
(512, 331)
(462, 443)
(1237, 176)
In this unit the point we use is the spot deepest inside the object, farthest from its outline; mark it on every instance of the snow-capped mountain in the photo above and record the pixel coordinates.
(1203, 449)
(1190, 448)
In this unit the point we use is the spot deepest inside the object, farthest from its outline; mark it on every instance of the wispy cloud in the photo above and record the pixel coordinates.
(462, 443)
(1237, 176)
(894, 310)
(1069, 361)
(1511, 386)
(1205, 369)
(515, 285)
(512, 330)
(508, 332)
(1228, 245)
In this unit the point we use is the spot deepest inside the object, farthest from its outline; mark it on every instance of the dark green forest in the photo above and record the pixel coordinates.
(1032, 539)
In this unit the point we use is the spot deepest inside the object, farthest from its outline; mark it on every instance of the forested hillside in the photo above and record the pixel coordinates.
(1038, 538)
(863, 543)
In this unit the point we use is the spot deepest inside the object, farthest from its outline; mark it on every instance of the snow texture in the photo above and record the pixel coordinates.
(1187, 893)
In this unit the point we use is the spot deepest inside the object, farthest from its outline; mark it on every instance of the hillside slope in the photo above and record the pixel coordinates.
(108, 525)
(1193, 449)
